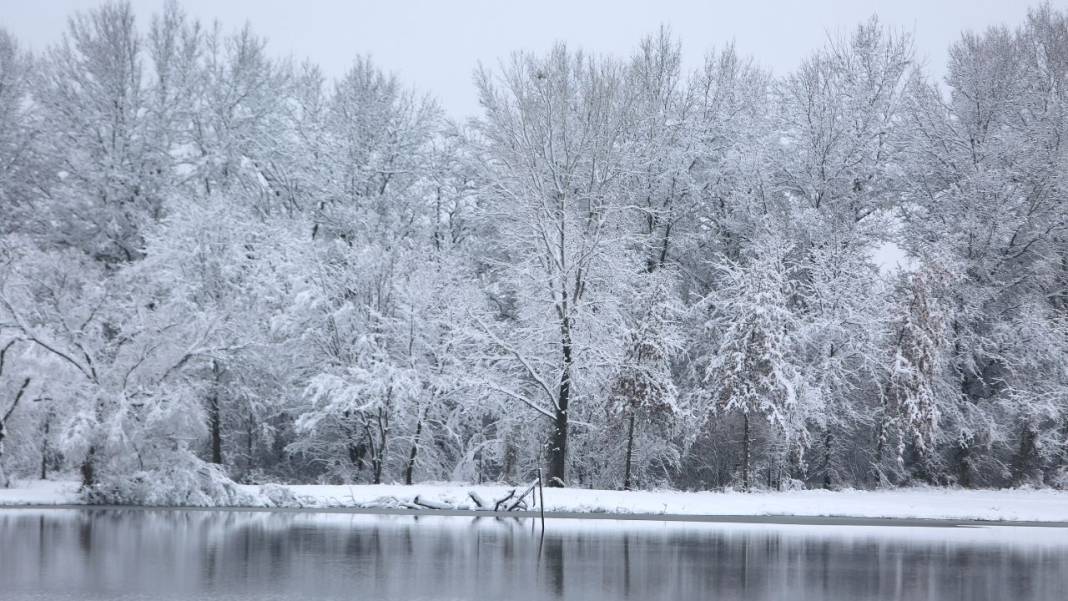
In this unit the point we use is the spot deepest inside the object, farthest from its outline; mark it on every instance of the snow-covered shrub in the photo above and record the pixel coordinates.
(279, 496)
(1059, 479)
(792, 484)
(187, 481)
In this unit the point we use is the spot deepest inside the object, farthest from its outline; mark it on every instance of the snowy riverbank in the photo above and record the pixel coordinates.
(953, 504)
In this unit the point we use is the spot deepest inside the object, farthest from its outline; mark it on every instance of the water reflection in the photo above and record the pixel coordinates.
(139, 554)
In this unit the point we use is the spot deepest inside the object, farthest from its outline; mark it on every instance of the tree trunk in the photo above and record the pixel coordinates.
(881, 440)
(511, 457)
(558, 450)
(46, 450)
(1063, 463)
(746, 451)
(796, 468)
(964, 464)
(89, 464)
(558, 442)
(215, 425)
(415, 449)
(630, 452)
(250, 438)
(828, 452)
(215, 419)
(3, 434)
(1026, 466)
(378, 459)
(4, 481)
(88, 468)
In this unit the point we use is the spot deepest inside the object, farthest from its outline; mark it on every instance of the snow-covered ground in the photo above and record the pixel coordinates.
(1001, 505)
(1011, 505)
(40, 492)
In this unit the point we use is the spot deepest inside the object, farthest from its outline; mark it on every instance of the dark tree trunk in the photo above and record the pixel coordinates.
(1063, 463)
(89, 476)
(558, 446)
(828, 459)
(4, 481)
(215, 419)
(410, 469)
(1026, 468)
(372, 454)
(630, 452)
(795, 465)
(965, 472)
(378, 455)
(88, 468)
(747, 451)
(511, 457)
(46, 450)
(881, 439)
(250, 437)
(215, 425)
(558, 442)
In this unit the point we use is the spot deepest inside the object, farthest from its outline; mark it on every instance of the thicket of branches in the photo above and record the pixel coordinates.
(215, 263)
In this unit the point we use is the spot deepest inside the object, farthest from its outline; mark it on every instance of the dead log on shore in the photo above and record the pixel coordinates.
(428, 504)
(502, 501)
(521, 499)
(478, 500)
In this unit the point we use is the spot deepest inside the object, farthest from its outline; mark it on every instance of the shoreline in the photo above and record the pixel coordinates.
(892, 507)
(782, 519)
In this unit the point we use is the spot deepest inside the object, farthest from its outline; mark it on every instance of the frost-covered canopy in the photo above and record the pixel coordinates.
(217, 264)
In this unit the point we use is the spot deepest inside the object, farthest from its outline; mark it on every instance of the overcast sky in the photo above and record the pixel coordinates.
(434, 46)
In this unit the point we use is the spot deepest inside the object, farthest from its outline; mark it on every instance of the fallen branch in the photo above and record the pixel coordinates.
(522, 497)
(497, 505)
(431, 504)
(478, 500)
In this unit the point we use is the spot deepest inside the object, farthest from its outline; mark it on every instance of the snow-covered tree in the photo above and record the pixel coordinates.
(217, 263)
(642, 389)
(753, 369)
(21, 163)
(92, 96)
(986, 171)
(914, 383)
(551, 144)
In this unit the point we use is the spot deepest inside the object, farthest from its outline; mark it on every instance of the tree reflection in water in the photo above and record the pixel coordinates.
(236, 555)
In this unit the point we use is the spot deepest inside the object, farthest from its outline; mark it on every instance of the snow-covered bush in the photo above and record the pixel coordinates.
(276, 495)
(1059, 480)
(187, 481)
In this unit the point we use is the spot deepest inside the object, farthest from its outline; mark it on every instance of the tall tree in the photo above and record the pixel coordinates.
(554, 161)
(92, 97)
(753, 369)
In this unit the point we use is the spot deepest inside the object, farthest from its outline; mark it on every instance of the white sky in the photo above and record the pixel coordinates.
(434, 46)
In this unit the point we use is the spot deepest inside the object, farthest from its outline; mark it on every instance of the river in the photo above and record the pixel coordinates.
(128, 554)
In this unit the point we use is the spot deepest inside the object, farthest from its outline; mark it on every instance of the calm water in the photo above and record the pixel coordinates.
(239, 556)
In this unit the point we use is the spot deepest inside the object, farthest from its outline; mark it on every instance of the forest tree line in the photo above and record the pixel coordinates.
(216, 263)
